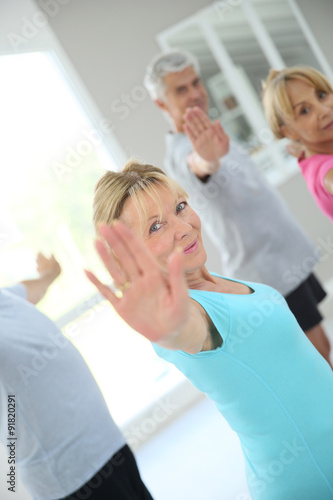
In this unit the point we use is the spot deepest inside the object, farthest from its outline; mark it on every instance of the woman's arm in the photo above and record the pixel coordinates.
(328, 181)
(154, 304)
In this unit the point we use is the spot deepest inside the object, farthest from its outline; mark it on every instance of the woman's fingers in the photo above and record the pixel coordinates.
(122, 250)
(118, 275)
(154, 304)
(176, 276)
(134, 256)
(103, 289)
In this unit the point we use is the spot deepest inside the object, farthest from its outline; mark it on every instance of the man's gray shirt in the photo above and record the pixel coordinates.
(248, 221)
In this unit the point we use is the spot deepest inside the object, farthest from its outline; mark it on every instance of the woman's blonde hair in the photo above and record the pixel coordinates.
(276, 101)
(135, 179)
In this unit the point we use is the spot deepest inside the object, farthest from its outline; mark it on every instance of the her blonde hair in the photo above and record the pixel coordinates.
(135, 179)
(276, 101)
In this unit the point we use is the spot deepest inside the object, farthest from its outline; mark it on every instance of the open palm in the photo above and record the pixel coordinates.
(154, 304)
(208, 139)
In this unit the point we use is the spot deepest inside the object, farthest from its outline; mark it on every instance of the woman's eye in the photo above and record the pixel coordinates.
(181, 206)
(155, 227)
(322, 94)
(304, 111)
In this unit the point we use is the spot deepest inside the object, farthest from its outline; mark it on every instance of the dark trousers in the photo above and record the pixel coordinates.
(118, 479)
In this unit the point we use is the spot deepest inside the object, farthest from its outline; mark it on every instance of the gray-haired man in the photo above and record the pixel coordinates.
(256, 234)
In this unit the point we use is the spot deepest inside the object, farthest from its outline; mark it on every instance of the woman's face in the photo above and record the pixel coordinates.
(165, 228)
(313, 121)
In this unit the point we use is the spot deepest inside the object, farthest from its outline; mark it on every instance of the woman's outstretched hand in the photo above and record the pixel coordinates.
(152, 302)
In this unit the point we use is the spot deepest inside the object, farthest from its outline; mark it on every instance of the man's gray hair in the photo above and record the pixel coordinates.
(163, 64)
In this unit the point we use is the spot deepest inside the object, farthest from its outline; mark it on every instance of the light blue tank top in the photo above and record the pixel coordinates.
(274, 389)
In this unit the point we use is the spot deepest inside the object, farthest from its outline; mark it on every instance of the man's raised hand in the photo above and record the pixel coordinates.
(208, 139)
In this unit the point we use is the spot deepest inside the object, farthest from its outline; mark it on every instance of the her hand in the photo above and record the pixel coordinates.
(152, 303)
(208, 139)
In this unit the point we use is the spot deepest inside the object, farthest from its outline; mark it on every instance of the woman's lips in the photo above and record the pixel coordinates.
(192, 247)
(329, 126)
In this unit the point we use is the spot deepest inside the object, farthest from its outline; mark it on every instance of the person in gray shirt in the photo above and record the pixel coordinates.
(248, 221)
(61, 439)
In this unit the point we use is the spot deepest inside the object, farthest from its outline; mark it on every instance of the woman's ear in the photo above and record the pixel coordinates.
(288, 132)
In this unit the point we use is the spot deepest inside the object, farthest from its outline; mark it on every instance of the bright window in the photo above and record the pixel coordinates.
(52, 157)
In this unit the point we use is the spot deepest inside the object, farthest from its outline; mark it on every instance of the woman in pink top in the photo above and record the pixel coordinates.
(298, 103)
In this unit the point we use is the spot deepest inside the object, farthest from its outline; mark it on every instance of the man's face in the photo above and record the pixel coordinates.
(184, 90)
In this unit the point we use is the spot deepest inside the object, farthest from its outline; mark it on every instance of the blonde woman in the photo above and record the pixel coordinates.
(298, 103)
(237, 341)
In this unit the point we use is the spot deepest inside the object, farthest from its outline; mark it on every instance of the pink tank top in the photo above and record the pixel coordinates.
(314, 170)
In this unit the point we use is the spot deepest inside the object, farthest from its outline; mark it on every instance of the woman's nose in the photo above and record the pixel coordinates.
(322, 110)
(182, 229)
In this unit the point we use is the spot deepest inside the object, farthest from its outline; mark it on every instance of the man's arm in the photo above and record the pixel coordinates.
(49, 270)
(210, 142)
